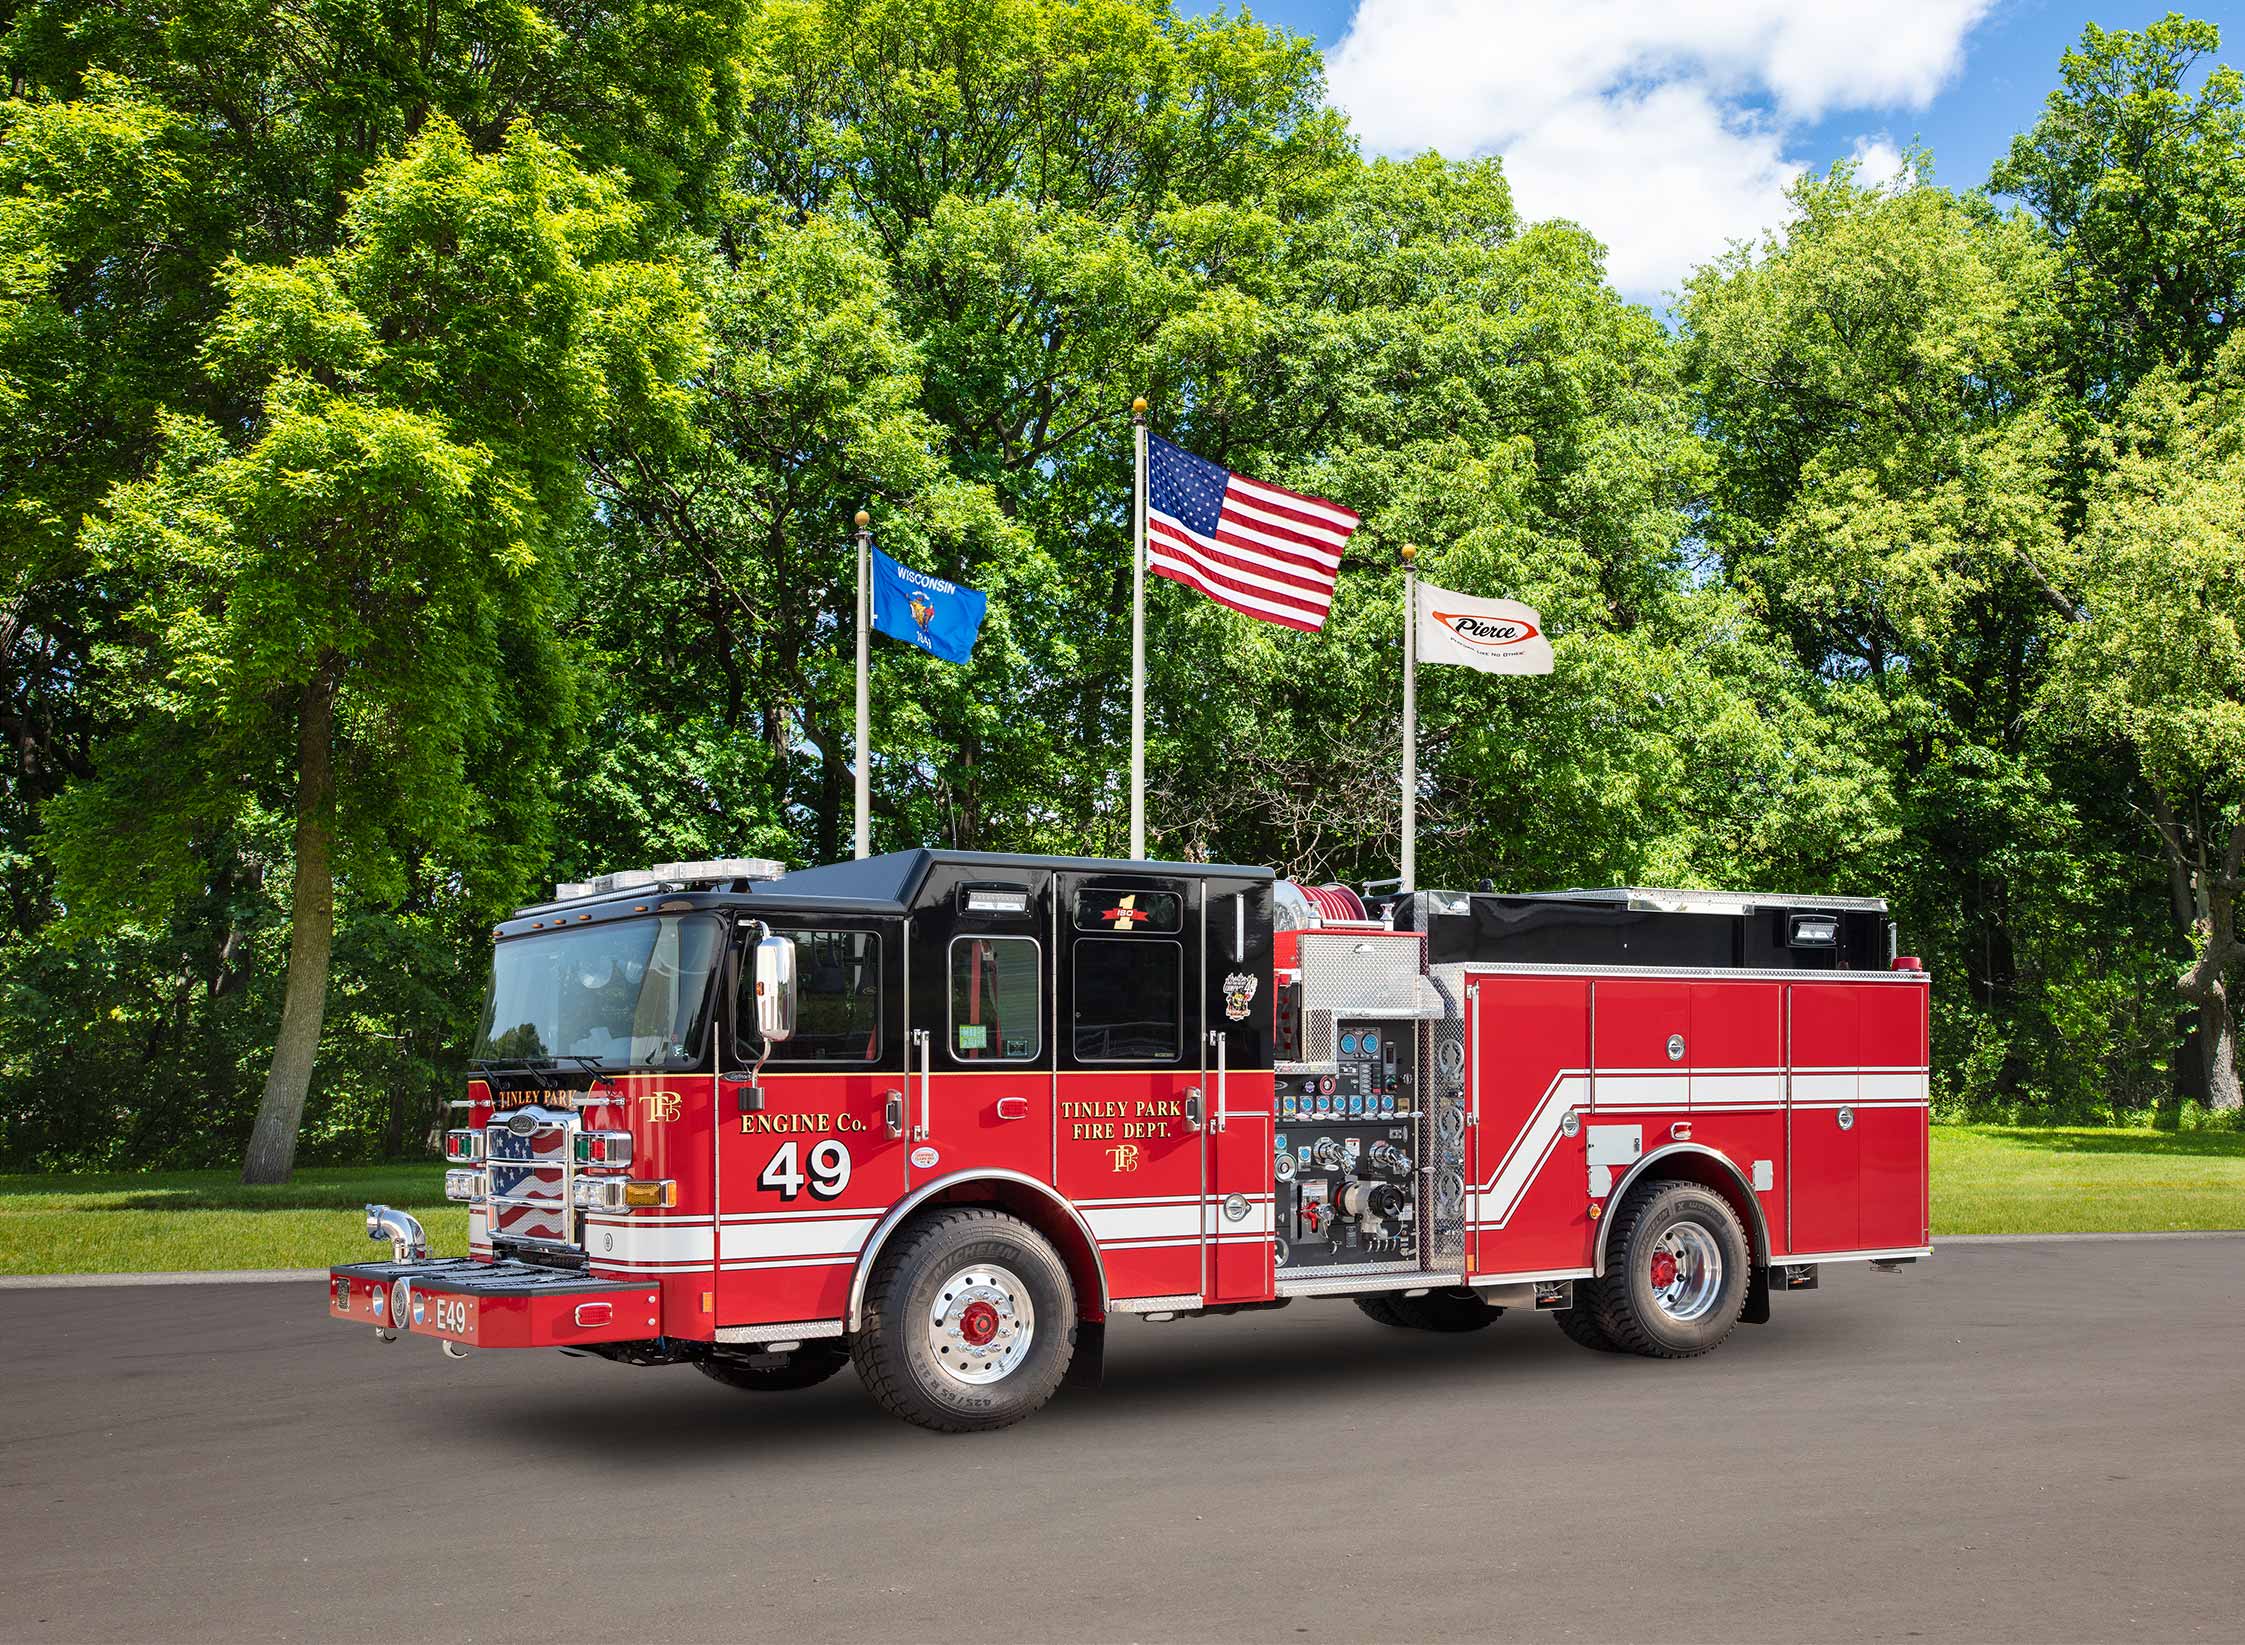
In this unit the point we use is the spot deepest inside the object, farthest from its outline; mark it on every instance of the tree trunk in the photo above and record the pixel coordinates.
(2217, 1043)
(311, 937)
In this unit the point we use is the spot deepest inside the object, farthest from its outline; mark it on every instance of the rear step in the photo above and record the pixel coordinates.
(494, 1304)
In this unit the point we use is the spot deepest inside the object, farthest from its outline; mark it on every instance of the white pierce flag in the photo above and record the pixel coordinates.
(1495, 636)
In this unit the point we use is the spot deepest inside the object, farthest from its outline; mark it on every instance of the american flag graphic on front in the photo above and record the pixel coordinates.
(1258, 548)
(530, 1169)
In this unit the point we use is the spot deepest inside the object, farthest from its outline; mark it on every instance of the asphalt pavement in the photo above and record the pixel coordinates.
(2010, 1442)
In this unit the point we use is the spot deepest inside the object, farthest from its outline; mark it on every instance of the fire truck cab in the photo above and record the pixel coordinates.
(946, 1113)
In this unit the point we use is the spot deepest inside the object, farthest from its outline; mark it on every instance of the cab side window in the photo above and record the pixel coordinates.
(1130, 999)
(838, 999)
(995, 999)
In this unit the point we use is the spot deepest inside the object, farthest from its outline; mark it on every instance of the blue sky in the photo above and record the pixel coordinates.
(1671, 126)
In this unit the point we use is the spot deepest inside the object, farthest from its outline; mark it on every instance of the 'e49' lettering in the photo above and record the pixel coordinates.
(829, 1171)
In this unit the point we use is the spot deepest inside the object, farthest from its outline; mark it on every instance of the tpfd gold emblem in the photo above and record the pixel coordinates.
(659, 1106)
(1125, 1156)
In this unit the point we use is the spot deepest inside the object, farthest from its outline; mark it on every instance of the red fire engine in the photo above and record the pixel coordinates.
(946, 1113)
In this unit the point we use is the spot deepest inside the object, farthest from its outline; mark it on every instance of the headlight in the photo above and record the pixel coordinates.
(464, 1185)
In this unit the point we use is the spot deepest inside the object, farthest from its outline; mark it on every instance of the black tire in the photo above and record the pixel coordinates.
(1380, 1307)
(1580, 1324)
(903, 1350)
(1451, 1311)
(806, 1367)
(1624, 1300)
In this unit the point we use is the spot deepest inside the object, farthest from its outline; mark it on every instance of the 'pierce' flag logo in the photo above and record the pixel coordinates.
(1126, 915)
(1482, 631)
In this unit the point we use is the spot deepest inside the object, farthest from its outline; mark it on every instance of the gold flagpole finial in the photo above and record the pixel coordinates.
(1409, 552)
(1138, 406)
(863, 519)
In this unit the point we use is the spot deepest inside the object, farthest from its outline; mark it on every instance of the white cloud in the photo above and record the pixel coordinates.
(1877, 161)
(1660, 125)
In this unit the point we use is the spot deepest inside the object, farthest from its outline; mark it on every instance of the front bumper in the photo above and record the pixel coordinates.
(495, 1304)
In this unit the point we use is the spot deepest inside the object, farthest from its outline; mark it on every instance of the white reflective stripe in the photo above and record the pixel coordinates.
(619, 1240)
(1126, 1222)
(1895, 1088)
(831, 1237)
(1262, 1210)
(1141, 1199)
(1709, 1089)
(1824, 1087)
(1646, 1090)
(844, 1261)
(1494, 1201)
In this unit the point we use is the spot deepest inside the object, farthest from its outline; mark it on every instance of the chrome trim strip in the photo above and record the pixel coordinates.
(1797, 1258)
(1151, 1305)
(854, 1317)
(801, 1331)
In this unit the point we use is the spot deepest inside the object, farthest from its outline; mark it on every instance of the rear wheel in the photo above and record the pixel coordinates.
(1676, 1274)
(1381, 1307)
(1580, 1323)
(969, 1323)
(805, 1367)
(1457, 1309)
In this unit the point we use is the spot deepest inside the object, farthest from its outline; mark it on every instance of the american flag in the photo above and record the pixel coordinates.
(1260, 549)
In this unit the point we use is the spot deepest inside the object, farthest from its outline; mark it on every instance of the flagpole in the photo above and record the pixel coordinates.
(864, 694)
(1410, 881)
(1138, 637)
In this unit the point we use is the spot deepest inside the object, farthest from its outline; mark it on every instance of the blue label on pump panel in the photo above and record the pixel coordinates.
(1371, 1043)
(1348, 1044)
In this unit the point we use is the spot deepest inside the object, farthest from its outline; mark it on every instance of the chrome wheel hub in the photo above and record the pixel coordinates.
(981, 1324)
(1685, 1269)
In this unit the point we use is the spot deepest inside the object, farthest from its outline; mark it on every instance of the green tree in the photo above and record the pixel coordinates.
(352, 600)
(2158, 662)
(2140, 186)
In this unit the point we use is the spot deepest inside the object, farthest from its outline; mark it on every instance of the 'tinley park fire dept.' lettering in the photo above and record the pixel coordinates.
(1104, 1121)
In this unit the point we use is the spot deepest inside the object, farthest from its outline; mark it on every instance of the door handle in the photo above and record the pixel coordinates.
(1192, 1110)
(1013, 1108)
(920, 1133)
(1223, 1083)
(893, 1112)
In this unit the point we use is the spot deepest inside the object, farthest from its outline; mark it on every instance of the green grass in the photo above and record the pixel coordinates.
(1987, 1179)
(2000, 1179)
(143, 1223)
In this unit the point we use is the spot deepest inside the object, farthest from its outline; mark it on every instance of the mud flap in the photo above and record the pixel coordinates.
(1087, 1367)
(1757, 1298)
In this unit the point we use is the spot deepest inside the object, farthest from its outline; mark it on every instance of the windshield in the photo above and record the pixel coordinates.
(628, 994)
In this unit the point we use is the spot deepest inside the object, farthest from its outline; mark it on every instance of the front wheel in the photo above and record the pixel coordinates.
(1676, 1278)
(969, 1323)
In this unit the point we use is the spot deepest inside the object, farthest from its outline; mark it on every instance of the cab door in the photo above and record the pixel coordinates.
(1241, 1203)
(805, 1170)
(1131, 1037)
(982, 1083)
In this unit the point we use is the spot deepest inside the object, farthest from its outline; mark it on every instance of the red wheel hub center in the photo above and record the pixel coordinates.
(1664, 1270)
(978, 1323)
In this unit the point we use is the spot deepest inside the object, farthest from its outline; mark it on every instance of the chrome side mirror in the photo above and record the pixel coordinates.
(775, 988)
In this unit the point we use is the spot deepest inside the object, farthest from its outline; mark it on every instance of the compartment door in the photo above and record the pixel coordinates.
(1824, 1197)
(1527, 1067)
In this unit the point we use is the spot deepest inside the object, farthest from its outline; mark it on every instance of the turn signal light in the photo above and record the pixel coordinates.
(616, 1194)
(603, 1148)
(463, 1145)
